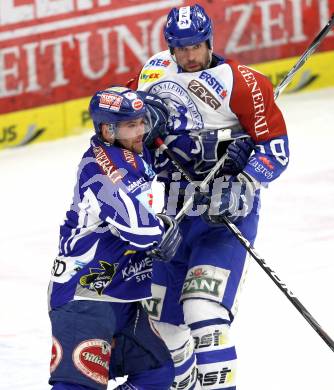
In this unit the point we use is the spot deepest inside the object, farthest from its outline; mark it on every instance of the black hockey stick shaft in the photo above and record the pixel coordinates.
(250, 249)
(281, 285)
(304, 57)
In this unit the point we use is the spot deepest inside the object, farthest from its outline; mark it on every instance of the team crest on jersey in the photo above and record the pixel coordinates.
(91, 358)
(99, 278)
(184, 113)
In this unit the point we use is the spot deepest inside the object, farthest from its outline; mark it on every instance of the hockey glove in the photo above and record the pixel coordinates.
(238, 153)
(158, 115)
(234, 200)
(170, 242)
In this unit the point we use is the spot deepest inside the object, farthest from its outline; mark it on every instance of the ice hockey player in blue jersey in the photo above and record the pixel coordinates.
(216, 105)
(108, 243)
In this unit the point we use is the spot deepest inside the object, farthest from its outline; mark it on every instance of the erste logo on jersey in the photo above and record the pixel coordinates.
(214, 84)
(111, 101)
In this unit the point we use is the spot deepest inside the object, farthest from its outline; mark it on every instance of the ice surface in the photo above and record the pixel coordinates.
(277, 348)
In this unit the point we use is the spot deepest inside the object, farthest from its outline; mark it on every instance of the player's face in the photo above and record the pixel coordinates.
(130, 134)
(193, 58)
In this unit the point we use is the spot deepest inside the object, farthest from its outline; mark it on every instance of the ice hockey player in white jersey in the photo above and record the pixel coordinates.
(108, 243)
(216, 106)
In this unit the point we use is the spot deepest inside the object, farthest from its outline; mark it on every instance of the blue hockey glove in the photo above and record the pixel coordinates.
(238, 153)
(159, 117)
(234, 200)
(171, 240)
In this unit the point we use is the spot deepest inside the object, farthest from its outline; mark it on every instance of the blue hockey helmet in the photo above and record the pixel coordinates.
(188, 26)
(114, 105)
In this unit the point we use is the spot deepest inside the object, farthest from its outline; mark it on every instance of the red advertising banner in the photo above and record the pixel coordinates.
(52, 51)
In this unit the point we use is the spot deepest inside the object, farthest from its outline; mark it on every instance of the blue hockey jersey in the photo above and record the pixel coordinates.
(108, 229)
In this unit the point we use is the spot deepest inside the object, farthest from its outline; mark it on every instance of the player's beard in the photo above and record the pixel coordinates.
(200, 65)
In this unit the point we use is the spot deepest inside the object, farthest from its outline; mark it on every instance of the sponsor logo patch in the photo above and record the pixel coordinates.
(202, 93)
(107, 166)
(137, 104)
(205, 282)
(153, 306)
(260, 121)
(130, 158)
(215, 377)
(214, 84)
(111, 101)
(140, 270)
(258, 167)
(159, 62)
(99, 278)
(214, 338)
(91, 358)
(267, 162)
(149, 76)
(56, 354)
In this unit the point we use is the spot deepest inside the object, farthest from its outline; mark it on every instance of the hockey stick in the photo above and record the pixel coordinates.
(305, 56)
(234, 230)
(246, 244)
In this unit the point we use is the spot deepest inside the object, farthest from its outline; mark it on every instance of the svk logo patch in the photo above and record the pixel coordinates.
(91, 358)
(99, 278)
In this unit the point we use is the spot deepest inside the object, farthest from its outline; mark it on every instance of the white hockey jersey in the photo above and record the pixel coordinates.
(230, 99)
